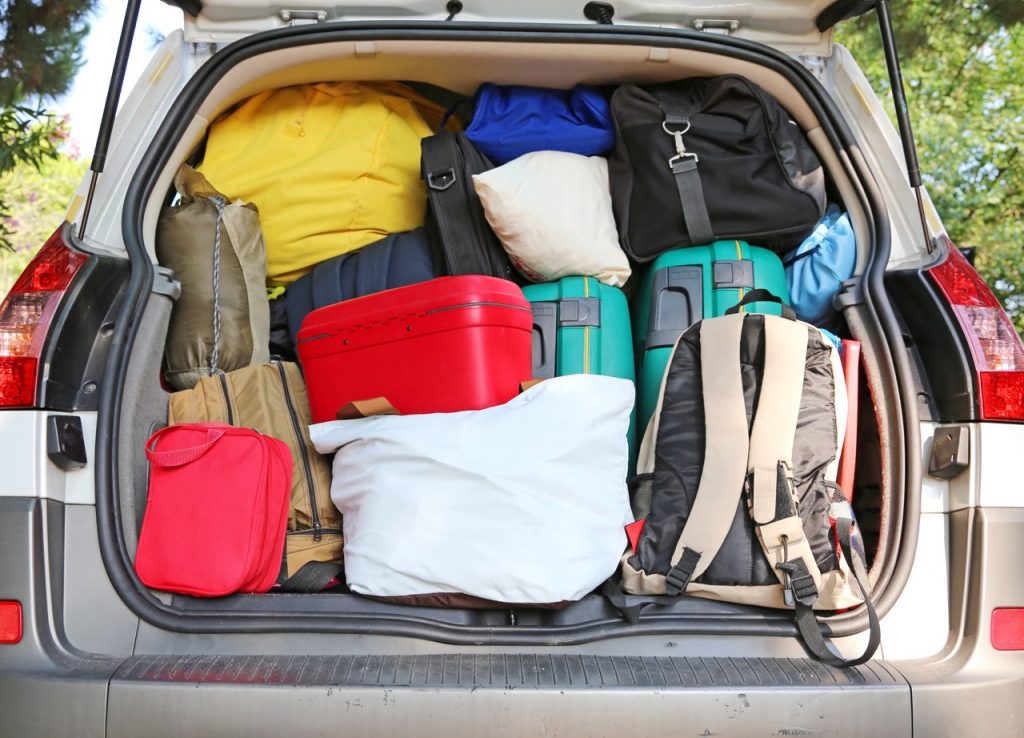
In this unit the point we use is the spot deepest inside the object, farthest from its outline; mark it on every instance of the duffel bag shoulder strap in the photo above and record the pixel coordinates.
(725, 453)
(684, 170)
(468, 245)
(449, 202)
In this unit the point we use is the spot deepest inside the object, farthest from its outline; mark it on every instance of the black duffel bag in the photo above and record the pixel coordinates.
(710, 158)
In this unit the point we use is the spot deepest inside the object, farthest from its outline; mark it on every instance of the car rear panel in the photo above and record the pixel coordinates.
(47, 687)
(87, 652)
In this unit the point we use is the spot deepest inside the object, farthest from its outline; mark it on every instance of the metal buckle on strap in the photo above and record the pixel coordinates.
(441, 180)
(797, 583)
(678, 577)
(681, 152)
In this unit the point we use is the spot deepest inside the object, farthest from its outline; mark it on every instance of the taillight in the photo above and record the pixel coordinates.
(10, 621)
(996, 347)
(1007, 629)
(25, 317)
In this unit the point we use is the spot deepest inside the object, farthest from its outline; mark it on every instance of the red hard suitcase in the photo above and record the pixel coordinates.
(449, 344)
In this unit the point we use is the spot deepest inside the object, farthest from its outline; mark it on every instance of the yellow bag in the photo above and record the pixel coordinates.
(331, 167)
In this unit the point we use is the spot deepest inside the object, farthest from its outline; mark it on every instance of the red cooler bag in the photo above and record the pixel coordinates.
(217, 510)
(449, 344)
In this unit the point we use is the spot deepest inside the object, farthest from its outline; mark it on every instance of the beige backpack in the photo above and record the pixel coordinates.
(735, 477)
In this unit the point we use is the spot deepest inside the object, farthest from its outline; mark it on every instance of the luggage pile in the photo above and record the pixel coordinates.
(466, 320)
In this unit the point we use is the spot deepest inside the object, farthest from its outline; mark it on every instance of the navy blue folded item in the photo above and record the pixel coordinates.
(396, 261)
(509, 121)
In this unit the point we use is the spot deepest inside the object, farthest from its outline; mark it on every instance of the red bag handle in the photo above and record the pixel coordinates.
(182, 456)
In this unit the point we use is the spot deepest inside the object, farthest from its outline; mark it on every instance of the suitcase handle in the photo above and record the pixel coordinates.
(762, 295)
(182, 456)
(545, 338)
(677, 302)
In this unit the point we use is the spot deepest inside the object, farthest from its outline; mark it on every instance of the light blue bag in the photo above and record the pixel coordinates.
(817, 267)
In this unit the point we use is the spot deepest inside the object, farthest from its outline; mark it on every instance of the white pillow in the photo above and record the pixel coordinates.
(552, 212)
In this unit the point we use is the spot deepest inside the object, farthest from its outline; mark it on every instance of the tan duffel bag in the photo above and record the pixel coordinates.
(271, 398)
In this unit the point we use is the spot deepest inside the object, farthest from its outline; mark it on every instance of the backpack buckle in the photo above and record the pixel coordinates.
(797, 583)
(678, 577)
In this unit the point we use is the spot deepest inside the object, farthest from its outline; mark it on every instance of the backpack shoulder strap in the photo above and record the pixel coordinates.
(325, 283)
(773, 505)
(807, 623)
(772, 501)
(725, 453)
(374, 265)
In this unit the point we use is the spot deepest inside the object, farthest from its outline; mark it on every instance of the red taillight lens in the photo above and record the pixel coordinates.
(1007, 629)
(995, 345)
(10, 621)
(25, 317)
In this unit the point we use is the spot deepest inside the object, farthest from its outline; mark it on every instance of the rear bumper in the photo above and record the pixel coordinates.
(504, 694)
(49, 687)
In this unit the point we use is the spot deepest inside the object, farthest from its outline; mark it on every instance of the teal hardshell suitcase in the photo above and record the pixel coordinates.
(581, 326)
(686, 285)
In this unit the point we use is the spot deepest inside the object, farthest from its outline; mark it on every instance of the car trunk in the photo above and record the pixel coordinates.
(458, 58)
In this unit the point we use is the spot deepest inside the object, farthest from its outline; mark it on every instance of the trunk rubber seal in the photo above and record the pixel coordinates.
(895, 372)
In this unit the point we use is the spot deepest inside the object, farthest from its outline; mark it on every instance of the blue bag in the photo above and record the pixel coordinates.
(511, 121)
(817, 267)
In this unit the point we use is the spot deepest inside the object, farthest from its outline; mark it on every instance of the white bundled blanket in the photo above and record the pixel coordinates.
(520, 503)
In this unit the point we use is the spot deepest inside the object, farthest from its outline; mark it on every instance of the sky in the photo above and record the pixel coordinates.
(84, 103)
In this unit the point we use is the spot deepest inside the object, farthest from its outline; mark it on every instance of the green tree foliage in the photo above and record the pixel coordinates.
(40, 51)
(40, 47)
(29, 137)
(38, 199)
(963, 64)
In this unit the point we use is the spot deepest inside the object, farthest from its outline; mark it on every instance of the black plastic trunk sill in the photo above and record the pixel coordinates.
(112, 546)
(506, 671)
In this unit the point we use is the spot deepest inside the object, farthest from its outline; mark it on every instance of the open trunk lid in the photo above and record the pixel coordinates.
(794, 26)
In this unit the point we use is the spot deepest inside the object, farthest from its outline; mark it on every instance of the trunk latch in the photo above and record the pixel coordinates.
(302, 17)
(723, 26)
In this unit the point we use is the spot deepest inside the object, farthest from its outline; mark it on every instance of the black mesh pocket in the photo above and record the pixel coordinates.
(641, 490)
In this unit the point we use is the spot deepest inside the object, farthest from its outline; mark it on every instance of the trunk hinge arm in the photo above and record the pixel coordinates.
(899, 98)
(99, 157)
